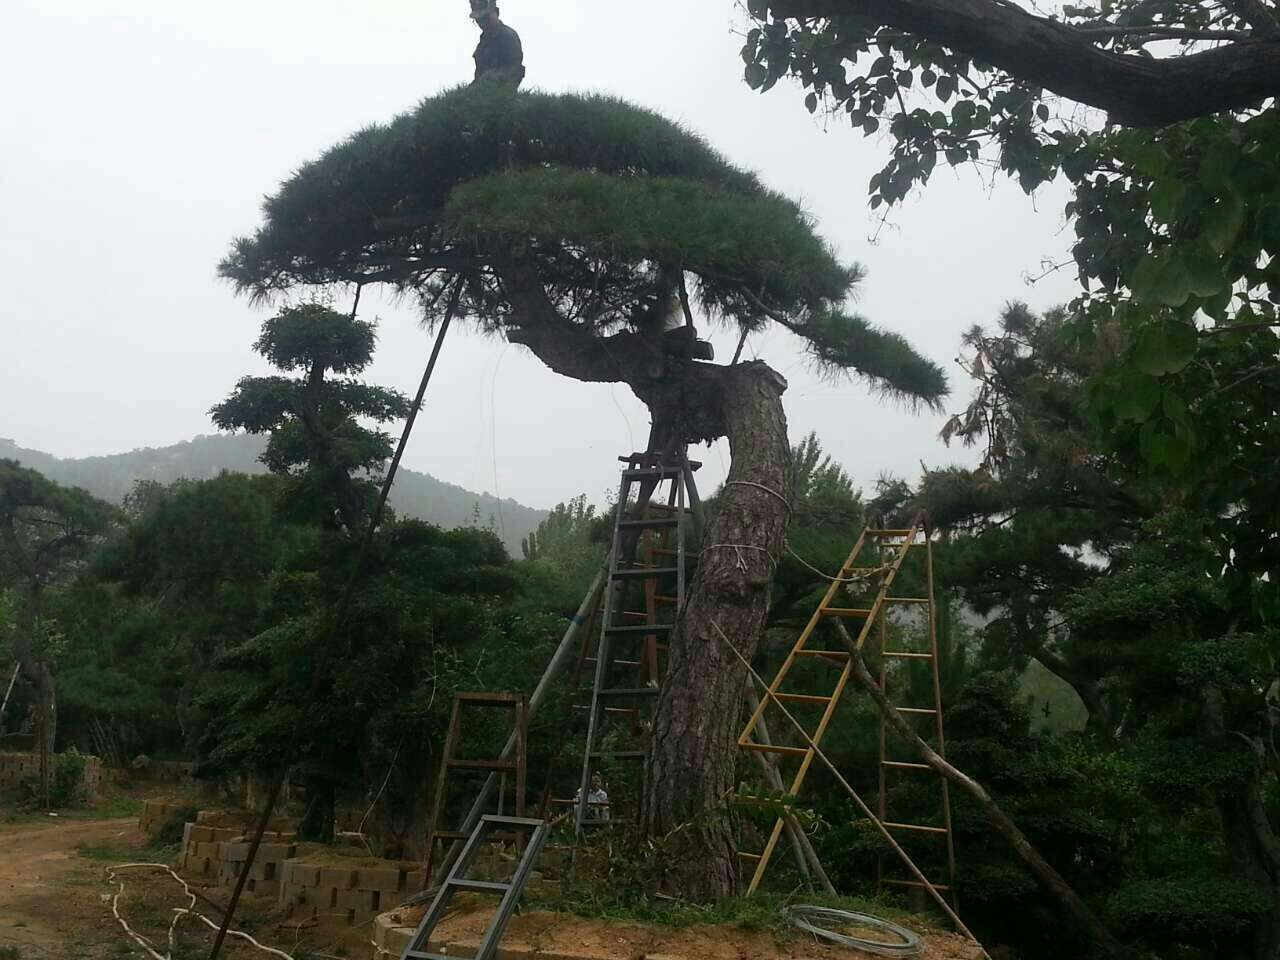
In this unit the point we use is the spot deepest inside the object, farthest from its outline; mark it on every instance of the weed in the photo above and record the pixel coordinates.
(9, 953)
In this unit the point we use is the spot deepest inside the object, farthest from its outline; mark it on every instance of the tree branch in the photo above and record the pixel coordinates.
(1135, 90)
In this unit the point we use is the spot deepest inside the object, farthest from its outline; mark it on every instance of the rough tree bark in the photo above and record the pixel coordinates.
(691, 762)
(690, 768)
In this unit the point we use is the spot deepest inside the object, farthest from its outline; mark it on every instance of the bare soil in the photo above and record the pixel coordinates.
(626, 940)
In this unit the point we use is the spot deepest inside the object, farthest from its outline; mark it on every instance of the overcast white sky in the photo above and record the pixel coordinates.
(139, 136)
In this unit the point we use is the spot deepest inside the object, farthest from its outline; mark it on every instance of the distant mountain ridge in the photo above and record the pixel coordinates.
(414, 494)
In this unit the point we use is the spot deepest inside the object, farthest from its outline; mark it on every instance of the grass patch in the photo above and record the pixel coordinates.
(109, 853)
(9, 953)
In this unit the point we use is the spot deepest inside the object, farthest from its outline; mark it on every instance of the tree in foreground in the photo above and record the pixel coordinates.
(1163, 119)
(589, 230)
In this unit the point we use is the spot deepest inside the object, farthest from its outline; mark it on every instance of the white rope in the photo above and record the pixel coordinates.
(739, 547)
(856, 578)
(759, 486)
(178, 914)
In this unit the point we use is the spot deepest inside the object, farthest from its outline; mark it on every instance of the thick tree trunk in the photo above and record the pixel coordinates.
(317, 819)
(691, 763)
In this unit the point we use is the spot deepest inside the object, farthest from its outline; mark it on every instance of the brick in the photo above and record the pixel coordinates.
(235, 851)
(276, 851)
(379, 878)
(413, 881)
(339, 879)
(305, 875)
(198, 834)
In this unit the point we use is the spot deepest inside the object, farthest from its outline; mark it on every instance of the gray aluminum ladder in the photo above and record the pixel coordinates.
(608, 697)
(457, 882)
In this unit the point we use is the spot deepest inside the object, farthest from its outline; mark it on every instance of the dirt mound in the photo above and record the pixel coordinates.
(567, 935)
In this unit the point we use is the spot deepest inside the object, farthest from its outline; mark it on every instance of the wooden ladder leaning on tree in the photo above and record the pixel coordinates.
(888, 550)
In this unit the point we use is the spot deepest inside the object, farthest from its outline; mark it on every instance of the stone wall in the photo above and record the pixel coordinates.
(16, 767)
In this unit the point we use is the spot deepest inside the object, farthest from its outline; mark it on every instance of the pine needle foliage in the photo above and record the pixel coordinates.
(607, 200)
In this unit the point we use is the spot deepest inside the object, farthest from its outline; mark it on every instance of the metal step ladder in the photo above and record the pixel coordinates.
(906, 659)
(450, 761)
(628, 662)
(887, 549)
(509, 893)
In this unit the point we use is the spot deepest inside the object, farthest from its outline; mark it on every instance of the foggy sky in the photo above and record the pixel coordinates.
(138, 137)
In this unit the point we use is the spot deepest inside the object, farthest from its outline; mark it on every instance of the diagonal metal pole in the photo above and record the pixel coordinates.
(321, 662)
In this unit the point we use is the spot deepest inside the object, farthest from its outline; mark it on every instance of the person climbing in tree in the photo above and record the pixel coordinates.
(499, 55)
(597, 800)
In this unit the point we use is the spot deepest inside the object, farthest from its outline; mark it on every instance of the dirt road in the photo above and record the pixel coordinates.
(50, 899)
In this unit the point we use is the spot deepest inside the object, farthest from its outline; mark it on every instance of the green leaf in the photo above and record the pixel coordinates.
(1217, 165)
(1205, 273)
(927, 77)
(1137, 397)
(811, 102)
(1165, 198)
(1165, 348)
(1042, 111)
(754, 75)
(1145, 278)
(1223, 222)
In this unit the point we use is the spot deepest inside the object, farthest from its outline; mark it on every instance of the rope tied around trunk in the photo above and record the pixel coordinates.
(760, 486)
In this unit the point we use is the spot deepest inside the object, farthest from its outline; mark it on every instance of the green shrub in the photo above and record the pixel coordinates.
(66, 782)
(1194, 910)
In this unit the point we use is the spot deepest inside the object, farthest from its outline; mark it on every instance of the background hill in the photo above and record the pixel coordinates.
(414, 494)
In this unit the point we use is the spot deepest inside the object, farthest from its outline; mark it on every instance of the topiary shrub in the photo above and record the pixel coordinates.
(1193, 911)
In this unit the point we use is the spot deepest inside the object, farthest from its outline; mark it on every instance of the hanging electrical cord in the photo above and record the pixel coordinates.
(803, 915)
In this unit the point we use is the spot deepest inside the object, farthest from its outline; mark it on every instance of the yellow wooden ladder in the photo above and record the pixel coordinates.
(888, 548)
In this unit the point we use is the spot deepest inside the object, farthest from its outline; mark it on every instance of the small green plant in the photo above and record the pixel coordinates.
(66, 782)
(170, 831)
(9, 953)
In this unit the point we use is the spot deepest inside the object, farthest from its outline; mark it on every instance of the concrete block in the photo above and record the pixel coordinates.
(275, 851)
(413, 881)
(379, 878)
(306, 875)
(195, 833)
(237, 851)
(339, 879)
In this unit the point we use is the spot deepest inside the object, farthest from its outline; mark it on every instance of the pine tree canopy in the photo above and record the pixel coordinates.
(606, 206)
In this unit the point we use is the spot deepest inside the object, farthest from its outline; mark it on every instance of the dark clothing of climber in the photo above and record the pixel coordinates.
(499, 55)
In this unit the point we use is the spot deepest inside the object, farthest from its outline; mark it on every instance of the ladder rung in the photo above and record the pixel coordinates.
(619, 755)
(450, 835)
(587, 706)
(773, 748)
(668, 508)
(619, 663)
(903, 765)
(424, 955)
(907, 600)
(506, 765)
(801, 698)
(650, 523)
(497, 699)
(483, 886)
(649, 473)
(750, 856)
(889, 533)
(912, 826)
(629, 692)
(920, 711)
(832, 654)
(662, 599)
(640, 630)
(914, 883)
(907, 655)
(528, 823)
(667, 552)
(845, 612)
(645, 572)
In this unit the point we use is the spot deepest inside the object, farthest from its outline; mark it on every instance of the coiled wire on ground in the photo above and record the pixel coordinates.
(807, 917)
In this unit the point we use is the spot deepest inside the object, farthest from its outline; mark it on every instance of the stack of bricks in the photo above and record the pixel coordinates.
(156, 813)
(202, 848)
(268, 865)
(220, 852)
(16, 767)
(353, 894)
